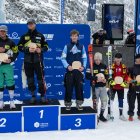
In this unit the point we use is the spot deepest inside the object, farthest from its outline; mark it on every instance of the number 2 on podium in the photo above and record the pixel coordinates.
(2, 122)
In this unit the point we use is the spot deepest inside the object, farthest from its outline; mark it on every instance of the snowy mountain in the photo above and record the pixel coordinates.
(47, 11)
(2, 13)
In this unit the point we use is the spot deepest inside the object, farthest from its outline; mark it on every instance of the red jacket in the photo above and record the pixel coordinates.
(121, 71)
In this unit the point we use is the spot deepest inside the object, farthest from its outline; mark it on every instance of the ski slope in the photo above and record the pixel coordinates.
(116, 130)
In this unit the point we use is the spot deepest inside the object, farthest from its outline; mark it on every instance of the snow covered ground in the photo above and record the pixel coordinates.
(116, 130)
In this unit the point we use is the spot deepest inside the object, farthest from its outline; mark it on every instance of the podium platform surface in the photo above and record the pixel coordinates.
(48, 102)
(27, 103)
(74, 110)
(7, 108)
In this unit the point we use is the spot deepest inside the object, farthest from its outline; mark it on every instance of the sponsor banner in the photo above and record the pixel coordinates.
(113, 20)
(137, 26)
(91, 10)
(57, 35)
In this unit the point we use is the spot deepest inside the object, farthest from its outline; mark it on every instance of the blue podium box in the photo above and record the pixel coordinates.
(40, 118)
(76, 120)
(10, 121)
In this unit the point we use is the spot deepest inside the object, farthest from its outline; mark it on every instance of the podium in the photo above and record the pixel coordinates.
(49, 117)
(40, 118)
(75, 119)
(11, 121)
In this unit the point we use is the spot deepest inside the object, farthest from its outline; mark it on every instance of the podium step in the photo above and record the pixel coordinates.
(27, 103)
(48, 102)
(7, 108)
(77, 120)
(74, 110)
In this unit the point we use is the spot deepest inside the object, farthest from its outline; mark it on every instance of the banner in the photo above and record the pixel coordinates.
(137, 26)
(62, 6)
(57, 35)
(113, 20)
(91, 10)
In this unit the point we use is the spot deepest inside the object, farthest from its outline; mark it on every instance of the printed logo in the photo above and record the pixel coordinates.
(81, 37)
(58, 58)
(48, 85)
(48, 36)
(58, 67)
(58, 76)
(75, 50)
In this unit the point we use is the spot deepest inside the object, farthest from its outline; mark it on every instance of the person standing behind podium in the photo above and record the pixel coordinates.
(99, 38)
(131, 39)
(99, 79)
(74, 53)
(33, 45)
(9, 53)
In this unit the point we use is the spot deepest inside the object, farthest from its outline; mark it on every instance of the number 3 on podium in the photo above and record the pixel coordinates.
(78, 122)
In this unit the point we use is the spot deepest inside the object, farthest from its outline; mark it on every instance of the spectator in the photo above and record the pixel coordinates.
(99, 38)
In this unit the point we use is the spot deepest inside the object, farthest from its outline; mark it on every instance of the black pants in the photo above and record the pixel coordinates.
(30, 70)
(73, 79)
(120, 93)
(133, 93)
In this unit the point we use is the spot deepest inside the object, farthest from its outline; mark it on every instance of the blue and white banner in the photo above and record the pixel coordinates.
(137, 26)
(57, 35)
(113, 20)
(91, 10)
(62, 7)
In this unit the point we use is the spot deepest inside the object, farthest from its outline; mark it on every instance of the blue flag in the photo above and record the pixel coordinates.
(62, 5)
(137, 26)
(91, 10)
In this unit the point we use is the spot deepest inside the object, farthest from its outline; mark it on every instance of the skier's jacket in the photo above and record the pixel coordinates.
(130, 40)
(10, 48)
(133, 72)
(35, 37)
(121, 71)
(101, 68)
(74, 52)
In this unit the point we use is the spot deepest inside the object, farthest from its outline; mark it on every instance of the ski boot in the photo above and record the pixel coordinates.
(130, 118)
(122, 118)
(102, 118)
(33, 100)
(43, 100)
(12, 105)
(1, 105)
(110, 117)
(68, 107)
(79, 107)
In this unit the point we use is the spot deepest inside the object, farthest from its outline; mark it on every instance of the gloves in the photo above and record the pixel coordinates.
(124, 84)
(94, 78)
(111, 82)
(138, 84)
(133, 82)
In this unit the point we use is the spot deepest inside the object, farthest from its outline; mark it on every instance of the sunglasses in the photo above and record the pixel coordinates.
(2, 31)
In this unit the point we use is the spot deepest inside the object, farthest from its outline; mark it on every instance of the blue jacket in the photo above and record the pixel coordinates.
(74, 52)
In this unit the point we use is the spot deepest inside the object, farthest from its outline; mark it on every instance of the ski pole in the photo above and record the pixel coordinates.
(41, 68)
